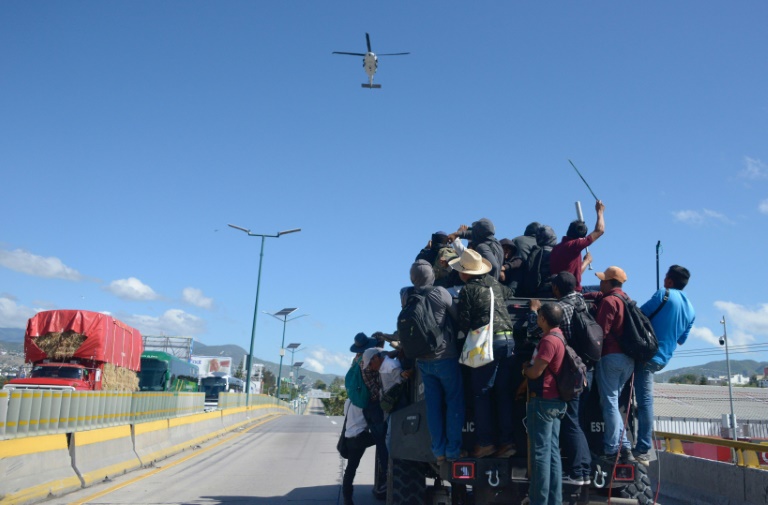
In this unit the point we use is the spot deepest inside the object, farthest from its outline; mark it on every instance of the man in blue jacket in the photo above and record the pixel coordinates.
(672, 317)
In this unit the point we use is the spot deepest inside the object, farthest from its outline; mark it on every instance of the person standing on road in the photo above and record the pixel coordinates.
(672, 316)
(545, 409)
(356, 445)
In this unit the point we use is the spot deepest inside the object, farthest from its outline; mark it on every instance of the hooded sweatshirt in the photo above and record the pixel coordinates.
(485, 243)
(441, 302)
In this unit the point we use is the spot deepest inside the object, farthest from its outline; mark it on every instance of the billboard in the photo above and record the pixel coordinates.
(210, 364)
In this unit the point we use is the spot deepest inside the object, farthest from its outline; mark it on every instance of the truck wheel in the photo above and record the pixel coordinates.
(641, 489)
(406, 483)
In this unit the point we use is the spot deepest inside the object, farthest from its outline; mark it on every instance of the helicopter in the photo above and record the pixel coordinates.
(370, 62)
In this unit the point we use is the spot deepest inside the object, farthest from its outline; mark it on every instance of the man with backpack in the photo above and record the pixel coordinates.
(672, 317)
(577, 467)
(438, 359)
(545, 409)
(614, 368)
(566, 256)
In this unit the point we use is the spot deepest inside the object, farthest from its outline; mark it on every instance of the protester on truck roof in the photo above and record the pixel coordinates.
(672, 316)
(566, 256)
(545, 409)
(511, 268)
(614, 368)
(527, 241)
(438, 240)
(445, 276)
(491, 383)
(573, 441)
(440, 372)
(482, 239)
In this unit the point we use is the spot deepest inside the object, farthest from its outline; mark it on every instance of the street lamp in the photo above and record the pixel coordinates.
(294, 348)
(724, 341)
(256, 306)
(282, 315)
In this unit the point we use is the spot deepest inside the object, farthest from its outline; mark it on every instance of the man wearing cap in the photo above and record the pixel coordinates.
(491, 383)
(566, 256)
(672, 317)
(614, 368)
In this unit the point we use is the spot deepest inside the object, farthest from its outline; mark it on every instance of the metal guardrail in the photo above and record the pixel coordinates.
(746, 452)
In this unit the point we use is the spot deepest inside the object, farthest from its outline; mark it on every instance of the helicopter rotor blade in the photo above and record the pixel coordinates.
(351, 54)
(391, 54)
(368, 41)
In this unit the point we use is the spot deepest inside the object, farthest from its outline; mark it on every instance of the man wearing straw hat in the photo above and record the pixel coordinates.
(491, 382)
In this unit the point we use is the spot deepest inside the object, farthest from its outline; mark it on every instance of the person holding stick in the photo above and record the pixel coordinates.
(566, 256)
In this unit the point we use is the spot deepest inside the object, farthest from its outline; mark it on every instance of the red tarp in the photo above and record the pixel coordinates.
(107, 339)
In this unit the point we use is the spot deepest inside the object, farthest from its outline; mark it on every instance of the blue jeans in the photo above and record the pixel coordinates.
(444, 394)
(574, 442)
(612, 372)
(543, 422)
(644, 394)
(492, 391)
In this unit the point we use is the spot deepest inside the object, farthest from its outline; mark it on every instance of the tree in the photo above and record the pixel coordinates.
(703, 381)
(269, 381)
(319, 385)
(240, 372)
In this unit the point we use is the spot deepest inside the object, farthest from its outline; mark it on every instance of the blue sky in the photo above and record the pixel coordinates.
(132, 133)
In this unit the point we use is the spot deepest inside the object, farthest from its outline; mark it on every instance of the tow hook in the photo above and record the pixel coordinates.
(493, 481)
(600, 476)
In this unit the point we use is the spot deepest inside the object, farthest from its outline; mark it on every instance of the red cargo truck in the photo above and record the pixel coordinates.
(80, 350)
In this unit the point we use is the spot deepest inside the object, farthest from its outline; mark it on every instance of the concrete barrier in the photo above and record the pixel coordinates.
(33, 468)
(105, 452)
(152, 441)
(189, 431)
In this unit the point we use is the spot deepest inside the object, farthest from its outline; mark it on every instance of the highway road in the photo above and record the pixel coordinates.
(285, 460)
(291, 459)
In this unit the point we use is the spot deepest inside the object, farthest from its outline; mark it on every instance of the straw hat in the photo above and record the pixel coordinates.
(471, 263)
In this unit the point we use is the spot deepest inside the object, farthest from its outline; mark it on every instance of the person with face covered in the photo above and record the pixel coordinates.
(481, 236)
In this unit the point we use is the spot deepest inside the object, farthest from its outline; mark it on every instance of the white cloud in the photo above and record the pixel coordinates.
(173, 322)
(744, 325)
(132, 289)
(13, 315)
(700, 218)
(319, 358)
(194, 296)
(763, 207)
(754, 170)
(28, 263)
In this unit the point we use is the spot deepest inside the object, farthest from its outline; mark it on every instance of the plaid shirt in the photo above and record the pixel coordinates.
(372, 380)
(568, 302)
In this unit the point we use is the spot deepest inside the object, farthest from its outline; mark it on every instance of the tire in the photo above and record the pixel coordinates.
(406, 483)
(641, 489)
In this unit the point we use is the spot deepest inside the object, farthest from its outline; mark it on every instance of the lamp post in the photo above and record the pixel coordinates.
(295, 382)
(724, 341)
(282, 315)
(294, 348)
(256, 306)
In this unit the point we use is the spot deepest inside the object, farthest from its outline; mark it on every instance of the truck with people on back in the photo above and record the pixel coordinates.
(80, 350)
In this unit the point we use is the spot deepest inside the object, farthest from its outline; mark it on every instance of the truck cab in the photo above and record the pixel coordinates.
(69, 376)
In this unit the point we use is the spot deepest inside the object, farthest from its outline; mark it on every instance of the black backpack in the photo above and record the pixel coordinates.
(533, 267)
(638, 340)
(417, 327)
(573, 374)
(586, 335)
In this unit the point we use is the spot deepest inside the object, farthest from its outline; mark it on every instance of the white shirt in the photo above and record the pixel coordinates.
(390, 373)
(355, 420)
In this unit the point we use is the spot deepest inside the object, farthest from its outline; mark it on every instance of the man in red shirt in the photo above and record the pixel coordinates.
(614, 368)
(566, 256)
(545, 409)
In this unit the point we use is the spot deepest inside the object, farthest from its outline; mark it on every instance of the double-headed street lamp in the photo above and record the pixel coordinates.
(282, 315)
(256, 307)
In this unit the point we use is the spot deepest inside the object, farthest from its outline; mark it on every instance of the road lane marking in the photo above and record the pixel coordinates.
(194, 453)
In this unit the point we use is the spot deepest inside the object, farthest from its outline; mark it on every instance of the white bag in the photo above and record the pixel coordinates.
(478, 346)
